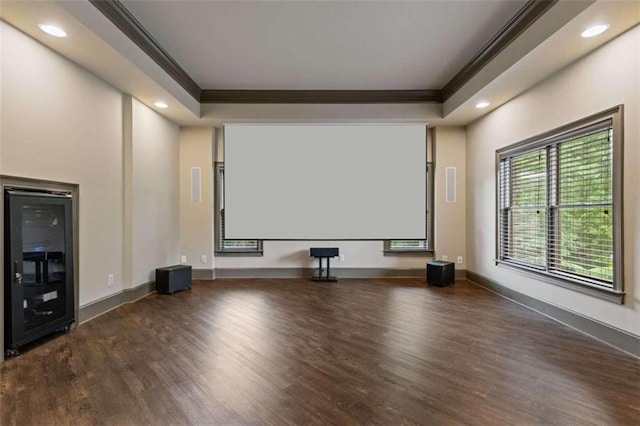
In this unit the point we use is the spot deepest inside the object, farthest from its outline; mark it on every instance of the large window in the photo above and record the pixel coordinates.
(224, 245)
(416, 246)
(559, 205)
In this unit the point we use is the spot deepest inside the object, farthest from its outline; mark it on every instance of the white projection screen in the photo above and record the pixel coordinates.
(325, 182)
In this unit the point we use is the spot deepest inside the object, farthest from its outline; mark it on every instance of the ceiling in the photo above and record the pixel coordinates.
(323, 45)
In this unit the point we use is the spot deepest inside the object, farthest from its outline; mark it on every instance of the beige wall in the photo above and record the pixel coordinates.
(155, 193)
(61, 123)
(605, 78)
(295, 254)
(450, 217)
(196, 219)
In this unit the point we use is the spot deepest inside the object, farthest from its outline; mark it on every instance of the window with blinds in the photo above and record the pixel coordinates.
(408, 245)
(558, 201)
(416, 246)
(223, 244)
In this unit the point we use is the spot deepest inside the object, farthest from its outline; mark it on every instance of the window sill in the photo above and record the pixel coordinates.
(408, 252)
(239, 253)
(596, 291)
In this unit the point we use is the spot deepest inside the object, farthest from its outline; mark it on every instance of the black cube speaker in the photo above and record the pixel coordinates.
(173, 278)
(440, 273)
(324, 252)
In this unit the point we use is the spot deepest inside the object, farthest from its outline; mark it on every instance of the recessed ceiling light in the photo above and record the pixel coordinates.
(161, 104)
(594, 31)
(482, 104)
(53, 30)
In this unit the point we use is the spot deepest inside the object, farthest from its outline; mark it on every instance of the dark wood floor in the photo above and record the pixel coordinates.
(295, 352)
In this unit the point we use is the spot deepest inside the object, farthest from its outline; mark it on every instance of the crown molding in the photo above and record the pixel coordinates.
(320, 96)
(526, 16)
(118, 14)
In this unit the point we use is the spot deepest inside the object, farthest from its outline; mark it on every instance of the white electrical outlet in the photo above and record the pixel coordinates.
(341, 257)
(203, 258)
(110, 280)
(459, 259)
(183, 259)
(445, 257)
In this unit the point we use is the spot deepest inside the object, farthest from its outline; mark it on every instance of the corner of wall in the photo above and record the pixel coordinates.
(450, 209)
(127, 140)
(197, 146)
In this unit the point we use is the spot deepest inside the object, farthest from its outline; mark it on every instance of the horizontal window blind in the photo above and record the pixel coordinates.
(230, 245)
(524, 207)
(583, 227)
(408, 245)
(417, 245)
(556, 206)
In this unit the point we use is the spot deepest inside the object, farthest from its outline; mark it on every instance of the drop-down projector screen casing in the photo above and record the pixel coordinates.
(325, 182)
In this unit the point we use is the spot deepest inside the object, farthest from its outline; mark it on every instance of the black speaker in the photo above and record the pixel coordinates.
(173, 278)
(440, 273)
(324, 252)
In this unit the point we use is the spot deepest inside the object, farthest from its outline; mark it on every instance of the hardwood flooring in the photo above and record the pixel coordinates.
(295, 352)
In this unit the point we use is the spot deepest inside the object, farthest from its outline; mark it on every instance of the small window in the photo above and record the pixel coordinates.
(416, 246)
(559, 210)
(408, 245)
(223, 245)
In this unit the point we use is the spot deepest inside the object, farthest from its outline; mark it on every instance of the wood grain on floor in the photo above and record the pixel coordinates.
(296, 352)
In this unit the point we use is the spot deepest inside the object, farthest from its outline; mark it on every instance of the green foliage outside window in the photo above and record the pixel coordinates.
(556, 207)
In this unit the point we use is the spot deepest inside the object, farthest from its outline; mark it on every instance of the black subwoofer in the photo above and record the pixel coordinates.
(173, 278)
(440, 273)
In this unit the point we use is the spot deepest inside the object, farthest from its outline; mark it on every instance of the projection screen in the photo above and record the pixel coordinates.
(324, 182)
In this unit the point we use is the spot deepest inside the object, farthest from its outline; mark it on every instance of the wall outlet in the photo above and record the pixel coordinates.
(445, 257)
(183, 259)
(203, 258)
(459, 259)
(341, 257)
(109, 280)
